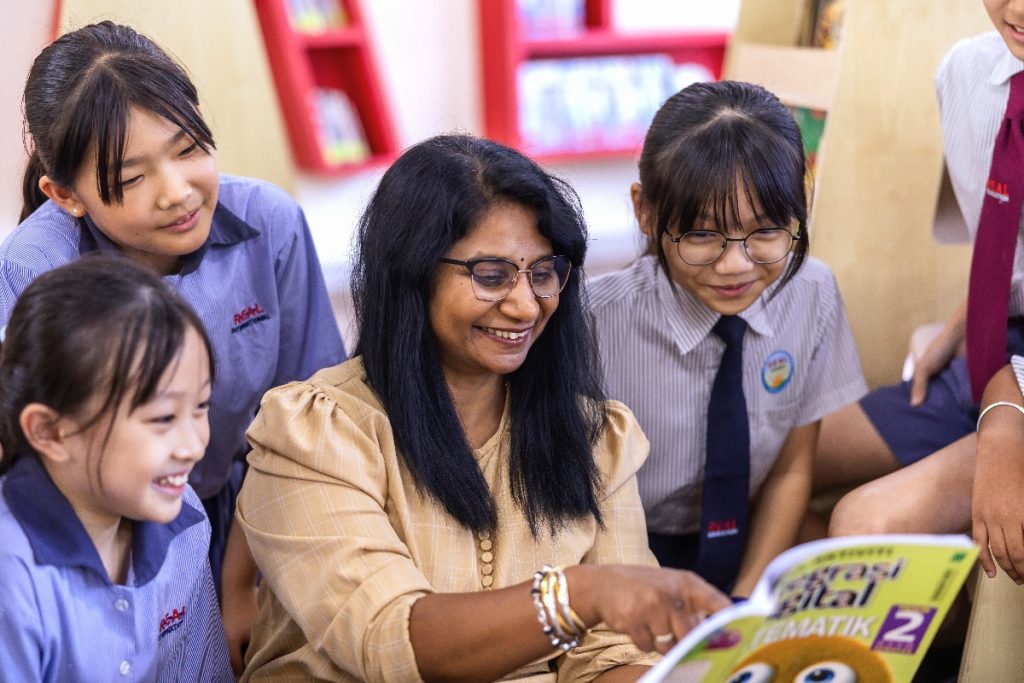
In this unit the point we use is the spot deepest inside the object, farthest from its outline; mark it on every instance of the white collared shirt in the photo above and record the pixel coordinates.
(973, 83)
(660, 358)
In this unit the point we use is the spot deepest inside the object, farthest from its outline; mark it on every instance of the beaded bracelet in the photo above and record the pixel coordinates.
(550, 593)
(990, 406)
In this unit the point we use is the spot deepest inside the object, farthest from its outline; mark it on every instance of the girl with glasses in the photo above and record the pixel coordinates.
(459, 500)
(722, 203)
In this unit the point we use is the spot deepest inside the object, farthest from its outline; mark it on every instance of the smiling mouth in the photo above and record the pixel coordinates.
(184, 220)
(173, 480)
(506, 334)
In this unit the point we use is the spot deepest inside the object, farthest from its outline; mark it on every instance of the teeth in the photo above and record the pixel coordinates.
(174, 480)
(505, 334)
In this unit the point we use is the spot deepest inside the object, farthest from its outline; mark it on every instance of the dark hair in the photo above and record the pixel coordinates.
(430, 198)
(705, 137)
(101, 326)
(79, 95)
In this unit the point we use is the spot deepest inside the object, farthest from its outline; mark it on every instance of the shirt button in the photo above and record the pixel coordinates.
(126, 667)
(484, 535)
(487, 581)
(485, 544)
(121, 604)
(486, 569)
(487, 557)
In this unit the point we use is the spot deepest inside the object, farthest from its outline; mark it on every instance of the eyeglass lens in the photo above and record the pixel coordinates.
(494, 279)
(703, 247)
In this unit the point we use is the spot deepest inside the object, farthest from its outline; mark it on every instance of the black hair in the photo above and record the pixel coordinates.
(431, 197)
(705, 138)
(99, 327)
(78, 97)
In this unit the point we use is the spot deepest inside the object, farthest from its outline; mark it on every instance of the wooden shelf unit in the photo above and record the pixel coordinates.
(505, 47)
(335, 58)
(880, 159)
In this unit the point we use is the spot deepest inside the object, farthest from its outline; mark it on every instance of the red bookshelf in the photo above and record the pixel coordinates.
(506, 47)
(328, 87)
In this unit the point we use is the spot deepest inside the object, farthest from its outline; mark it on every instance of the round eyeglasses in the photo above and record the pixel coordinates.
(704, 247)
(494, 278)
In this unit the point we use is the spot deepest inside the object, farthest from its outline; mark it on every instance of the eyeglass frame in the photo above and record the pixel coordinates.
(471, 263)
(677, 240)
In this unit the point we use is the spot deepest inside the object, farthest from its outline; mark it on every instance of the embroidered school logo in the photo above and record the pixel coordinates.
(722, 527)
(171, 621)
(248, 316)
(777, 371)
(998, 191)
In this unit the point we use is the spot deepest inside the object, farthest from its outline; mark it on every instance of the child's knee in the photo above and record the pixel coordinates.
(862, 511)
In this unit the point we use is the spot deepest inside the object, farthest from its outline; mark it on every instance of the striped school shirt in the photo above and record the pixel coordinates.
(973, 84)
(61, 617)
(660, 358)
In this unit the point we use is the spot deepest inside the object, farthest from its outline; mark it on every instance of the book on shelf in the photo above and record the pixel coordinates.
(342, 139)
(316, 16)
(859, 608)
(824, 24)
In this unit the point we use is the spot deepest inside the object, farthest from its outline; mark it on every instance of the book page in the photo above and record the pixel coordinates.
(842, 610)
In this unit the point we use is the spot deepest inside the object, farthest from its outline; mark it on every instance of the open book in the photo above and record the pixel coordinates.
(860, 608)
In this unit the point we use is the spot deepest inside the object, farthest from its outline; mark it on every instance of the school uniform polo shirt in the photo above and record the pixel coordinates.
(256, 284)
(660, 358)
(973, 83)
(63, 620)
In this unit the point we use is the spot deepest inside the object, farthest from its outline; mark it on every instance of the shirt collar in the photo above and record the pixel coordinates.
(57, 536)
(690, 321)
(226, 229)
(1006, 66)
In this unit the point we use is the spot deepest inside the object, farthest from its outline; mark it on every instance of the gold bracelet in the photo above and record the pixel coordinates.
(1019, 408)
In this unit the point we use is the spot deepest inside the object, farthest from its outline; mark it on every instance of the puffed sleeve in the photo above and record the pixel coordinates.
(621, 452)
(315, 510)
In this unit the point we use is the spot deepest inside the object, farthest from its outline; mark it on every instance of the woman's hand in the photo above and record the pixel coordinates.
(655, 607)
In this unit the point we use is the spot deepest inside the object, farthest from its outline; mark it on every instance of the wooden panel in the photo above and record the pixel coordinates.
(221, 46)
(800, 76)
(771, 22)
(879, 175)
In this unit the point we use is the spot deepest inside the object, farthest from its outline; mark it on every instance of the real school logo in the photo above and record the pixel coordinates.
(247, 317)
(777, 371)
(997, 190)
(171, 621)
(722, 527)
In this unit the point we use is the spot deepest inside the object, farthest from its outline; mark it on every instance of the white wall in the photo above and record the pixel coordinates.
(427, 53)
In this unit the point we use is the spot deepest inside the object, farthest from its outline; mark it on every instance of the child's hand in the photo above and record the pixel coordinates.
(238, 609)
(997, 508)
(938, 354)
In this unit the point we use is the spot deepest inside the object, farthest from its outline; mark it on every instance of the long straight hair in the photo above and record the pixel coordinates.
(78, 99)
(429, 199)
(705, 138)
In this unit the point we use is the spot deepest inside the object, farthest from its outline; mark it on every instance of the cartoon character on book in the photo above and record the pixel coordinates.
(815, 659)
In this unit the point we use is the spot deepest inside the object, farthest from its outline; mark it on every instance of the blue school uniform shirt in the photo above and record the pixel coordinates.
(256, 284)
(61, 619)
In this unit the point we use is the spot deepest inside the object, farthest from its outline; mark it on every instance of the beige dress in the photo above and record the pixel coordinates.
(346, 544)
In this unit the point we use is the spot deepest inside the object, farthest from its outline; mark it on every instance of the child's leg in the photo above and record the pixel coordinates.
(850, 450)
(931, 496)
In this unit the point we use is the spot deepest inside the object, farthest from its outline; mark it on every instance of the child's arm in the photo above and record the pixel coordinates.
(238, 595)
(939, 353)
(779, 507)
(999, 479)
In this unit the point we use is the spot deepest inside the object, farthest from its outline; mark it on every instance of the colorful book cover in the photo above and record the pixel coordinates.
(860, 608)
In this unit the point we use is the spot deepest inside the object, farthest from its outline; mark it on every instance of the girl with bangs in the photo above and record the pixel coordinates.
(725, 340)
(123, 162)
(105, 378)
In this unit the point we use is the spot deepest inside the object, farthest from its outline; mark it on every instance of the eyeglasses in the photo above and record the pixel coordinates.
(494, 278)
(704, 247)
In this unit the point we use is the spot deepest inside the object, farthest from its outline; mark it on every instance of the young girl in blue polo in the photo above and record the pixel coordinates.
(105, 377)
(122, 161)
(725, 340)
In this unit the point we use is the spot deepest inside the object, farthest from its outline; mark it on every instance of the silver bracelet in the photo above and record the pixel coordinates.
(990, 406)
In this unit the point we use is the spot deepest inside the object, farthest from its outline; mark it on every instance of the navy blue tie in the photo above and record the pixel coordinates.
(723, 510)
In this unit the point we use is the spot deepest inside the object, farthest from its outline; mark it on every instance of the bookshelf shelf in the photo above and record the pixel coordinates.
(329, 89)
(511, 57)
